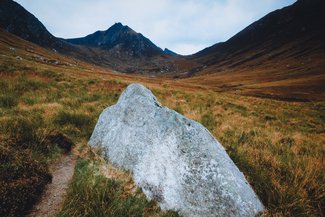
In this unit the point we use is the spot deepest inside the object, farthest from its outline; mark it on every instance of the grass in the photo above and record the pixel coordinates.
(7, 101)
(24, 155)
(278, 145)
(280, 151)
(92, 194)
(22, 180)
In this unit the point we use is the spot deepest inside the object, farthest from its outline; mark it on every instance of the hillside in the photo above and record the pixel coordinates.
(282, 55)
(131, 52)
(46, 95)
(119, 48)
(120, 39)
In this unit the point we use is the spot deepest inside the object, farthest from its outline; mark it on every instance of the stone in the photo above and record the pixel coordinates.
(175, 160)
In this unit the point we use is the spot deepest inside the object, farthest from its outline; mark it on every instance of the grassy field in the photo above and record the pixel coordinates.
(278, 145)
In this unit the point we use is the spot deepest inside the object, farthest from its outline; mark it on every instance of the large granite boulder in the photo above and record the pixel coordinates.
(175, 160)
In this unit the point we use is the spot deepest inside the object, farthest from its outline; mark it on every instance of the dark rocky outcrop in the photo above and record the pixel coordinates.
(120, 38)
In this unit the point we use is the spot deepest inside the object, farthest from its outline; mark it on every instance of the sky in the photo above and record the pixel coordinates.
(183, 26)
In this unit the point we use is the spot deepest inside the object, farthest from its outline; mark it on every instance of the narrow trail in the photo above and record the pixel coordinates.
(53, 196)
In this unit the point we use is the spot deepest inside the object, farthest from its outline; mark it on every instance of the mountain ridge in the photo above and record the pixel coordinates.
(280, 56)
(120, 37)
(280, 27)
(136, 54)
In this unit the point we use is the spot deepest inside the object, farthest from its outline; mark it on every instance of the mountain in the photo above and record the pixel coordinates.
(15, 19)
(167, 51)
(298, 29)
(120, 39)
(119, 47)
(281, 56)
(129, 51)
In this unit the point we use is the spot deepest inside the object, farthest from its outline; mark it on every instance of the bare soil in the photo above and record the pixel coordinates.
(52, 199)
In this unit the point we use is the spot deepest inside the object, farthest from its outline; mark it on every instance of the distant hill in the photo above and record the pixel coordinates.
(119, 47)
(120, 39)
(281, 56)
(294, 31)
(15, 19)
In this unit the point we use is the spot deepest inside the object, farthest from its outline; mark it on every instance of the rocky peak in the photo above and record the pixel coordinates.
(120, 39)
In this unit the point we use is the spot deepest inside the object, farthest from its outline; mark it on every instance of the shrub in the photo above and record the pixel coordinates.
(22, 181)
(21, 130)
(61, 140)
(8, 101)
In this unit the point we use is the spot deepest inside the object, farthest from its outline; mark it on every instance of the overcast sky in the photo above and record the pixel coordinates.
(184, 26)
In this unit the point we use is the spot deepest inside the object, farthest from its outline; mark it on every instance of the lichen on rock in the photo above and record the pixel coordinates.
(175, 160)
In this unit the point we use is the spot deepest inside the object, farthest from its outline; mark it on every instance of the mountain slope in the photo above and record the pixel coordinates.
(302, 23)
(281, 55)
(128, 51)
(119, 47)
(170, 52)
(15, 19)
(120, 38)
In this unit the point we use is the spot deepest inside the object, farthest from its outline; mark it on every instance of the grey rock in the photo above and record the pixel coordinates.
(175, 160)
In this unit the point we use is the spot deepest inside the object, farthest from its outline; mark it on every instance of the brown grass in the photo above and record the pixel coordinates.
(278, 145)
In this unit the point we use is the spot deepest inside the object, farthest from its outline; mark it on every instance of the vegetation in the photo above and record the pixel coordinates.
(280, 151)
(93, 194)
(278, 145)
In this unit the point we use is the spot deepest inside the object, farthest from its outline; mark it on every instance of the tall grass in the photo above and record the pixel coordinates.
(280, 151)
(279, 146)
(92, 194)
(27, 145)
(22, 180)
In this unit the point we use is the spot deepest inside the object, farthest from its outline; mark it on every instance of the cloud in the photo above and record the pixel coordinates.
(184, 26)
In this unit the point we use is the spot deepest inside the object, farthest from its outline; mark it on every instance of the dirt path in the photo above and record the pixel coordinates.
(52, 199)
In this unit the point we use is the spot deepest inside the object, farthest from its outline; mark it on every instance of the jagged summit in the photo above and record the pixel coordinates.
(119, 47)
(121, 39)
(120, 27)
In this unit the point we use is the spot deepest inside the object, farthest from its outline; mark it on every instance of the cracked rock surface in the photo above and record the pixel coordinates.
(175, 160)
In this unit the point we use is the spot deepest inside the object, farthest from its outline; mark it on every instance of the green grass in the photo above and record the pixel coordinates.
(8, 101)
(209, 121)
(22, 180)
(279, 146)
(77, 119)
(92, 194)
(24, 156)
(280, 151)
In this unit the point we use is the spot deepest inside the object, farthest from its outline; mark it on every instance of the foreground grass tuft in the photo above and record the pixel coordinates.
(22, 180)
(92, 194)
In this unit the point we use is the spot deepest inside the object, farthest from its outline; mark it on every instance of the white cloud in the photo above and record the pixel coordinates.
(184, 26)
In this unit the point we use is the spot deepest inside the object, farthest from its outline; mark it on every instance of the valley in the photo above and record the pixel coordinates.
(263, 101)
